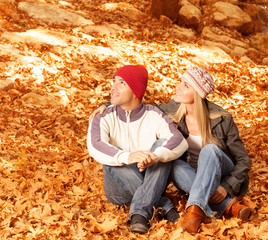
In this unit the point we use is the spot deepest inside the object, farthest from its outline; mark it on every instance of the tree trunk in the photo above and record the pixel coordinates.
(168, 8)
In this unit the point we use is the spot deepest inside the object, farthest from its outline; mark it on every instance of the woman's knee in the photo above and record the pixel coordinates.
(210, 148)
(182, 175)
(209, 152)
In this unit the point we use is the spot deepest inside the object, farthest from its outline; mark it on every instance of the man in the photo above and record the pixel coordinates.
(135, 143)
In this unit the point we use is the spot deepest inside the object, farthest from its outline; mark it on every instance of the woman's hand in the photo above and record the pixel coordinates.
(99, 110)
(218, 196)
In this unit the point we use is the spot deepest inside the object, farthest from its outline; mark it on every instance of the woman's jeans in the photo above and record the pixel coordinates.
(126, 185)
(213, 166)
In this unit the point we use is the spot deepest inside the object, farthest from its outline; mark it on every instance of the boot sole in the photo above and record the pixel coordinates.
(139, 228)
(245, 213)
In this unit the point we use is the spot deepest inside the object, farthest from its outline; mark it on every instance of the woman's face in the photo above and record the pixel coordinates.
(184, 93)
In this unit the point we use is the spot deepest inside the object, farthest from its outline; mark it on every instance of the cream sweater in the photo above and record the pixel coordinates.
(115, 134)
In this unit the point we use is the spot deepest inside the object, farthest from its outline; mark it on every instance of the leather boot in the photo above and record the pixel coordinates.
(193, 219)
(236, 209)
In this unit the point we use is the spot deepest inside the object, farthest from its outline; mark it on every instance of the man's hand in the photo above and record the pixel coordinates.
(99, 110)
(143, 159)
(218, 196)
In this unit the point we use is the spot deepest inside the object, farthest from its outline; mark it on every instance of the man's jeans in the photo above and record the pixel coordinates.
(213, 166)
(142, 190)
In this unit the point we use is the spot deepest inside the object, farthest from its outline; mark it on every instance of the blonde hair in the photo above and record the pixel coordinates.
(203, 119)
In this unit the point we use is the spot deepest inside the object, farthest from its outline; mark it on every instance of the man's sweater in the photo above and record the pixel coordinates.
(115, 134)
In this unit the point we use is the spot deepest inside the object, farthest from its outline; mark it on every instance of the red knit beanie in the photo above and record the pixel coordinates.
(136, 76)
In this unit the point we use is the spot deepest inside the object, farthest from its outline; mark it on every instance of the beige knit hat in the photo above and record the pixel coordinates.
(200, 79)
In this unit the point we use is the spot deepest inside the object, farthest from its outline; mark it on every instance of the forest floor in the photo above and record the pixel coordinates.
(55, 76)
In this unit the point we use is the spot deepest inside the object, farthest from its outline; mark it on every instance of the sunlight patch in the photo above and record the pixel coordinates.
(37, 36)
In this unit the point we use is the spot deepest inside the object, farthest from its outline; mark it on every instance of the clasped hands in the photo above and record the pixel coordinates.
(143, 159)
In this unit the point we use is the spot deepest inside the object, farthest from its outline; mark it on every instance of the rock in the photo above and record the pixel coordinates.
(7, 50)
(196, 3)
(165, 21)
(183, 34)
(15, 56)
(36, 100)
(217, 44)
(6, 84)
(260, 42)
(231, 16)
(258, 14)
(245, 59)
(167, 8)
(235, 42)
(253, 11)
(190, 16)
(52, 15)
(239, 51)
(124, 9)
(263, 19)
(265, 61)
(211, 2)
(253, 53)
(99, 51)
(37, 37)
(208, 34)
(105, 29)
(203, 55)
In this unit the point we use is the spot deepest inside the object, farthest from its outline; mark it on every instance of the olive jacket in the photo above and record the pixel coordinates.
(226, 131)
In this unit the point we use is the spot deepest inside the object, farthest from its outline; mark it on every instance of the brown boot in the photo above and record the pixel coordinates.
(193, 219)
(236, 209)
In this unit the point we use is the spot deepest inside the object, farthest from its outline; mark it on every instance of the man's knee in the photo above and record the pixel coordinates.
(118, 200)
(114, 191)
(160, 167)
(157, 143)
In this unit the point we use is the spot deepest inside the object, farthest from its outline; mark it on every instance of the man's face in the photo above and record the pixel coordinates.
(121, 94)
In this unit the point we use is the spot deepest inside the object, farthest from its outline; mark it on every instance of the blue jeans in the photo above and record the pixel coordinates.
(126, 185)
(213, 166)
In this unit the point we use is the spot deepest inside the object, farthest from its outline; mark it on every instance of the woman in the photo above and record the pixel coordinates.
(215, 167)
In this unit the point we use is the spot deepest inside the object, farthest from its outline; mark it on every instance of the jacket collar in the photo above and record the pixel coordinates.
(133, 115)
(214, 108)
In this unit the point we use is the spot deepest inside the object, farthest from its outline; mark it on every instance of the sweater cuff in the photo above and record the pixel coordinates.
(123, 157)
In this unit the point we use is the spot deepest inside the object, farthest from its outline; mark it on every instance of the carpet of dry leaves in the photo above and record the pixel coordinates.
(49, 186)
